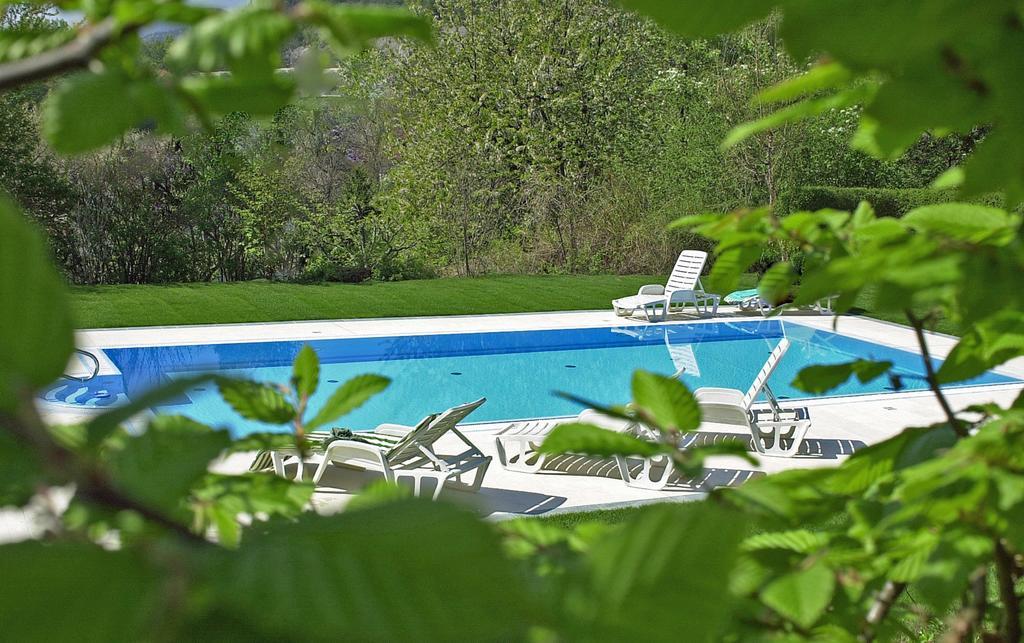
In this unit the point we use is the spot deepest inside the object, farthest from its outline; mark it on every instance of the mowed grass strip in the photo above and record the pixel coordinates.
(261, 301)
(209, 303)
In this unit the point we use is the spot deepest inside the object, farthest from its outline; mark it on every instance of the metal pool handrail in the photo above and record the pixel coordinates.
(95, 368)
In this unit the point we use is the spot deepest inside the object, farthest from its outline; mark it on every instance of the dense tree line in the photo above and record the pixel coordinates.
(533, 137)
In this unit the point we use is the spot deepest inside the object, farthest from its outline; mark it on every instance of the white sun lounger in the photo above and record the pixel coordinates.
(758, 304)
(776, 431)
(404, 452)
(683, 288)
(518, 442)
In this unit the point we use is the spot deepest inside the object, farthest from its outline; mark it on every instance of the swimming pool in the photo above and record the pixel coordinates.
(517, 371)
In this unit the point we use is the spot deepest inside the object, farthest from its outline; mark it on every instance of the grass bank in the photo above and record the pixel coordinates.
(256, 301)
(158, 305)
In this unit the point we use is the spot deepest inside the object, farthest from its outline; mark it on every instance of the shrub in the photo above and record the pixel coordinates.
(887, 202)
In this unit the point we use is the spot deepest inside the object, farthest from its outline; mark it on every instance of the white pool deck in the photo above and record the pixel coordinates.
(573, 484)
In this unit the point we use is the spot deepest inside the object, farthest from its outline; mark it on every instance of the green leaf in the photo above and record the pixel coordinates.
(951, 178)
(800, 111)
(35, 326)
(255, 493)
(397, 572)
(725, 273)
(700, 17)
(801, 596)
(824, 76)
(378, 493)
(103, 425)
(146, 12)
(877, 462)
(667, 399)
(349, 396)
(777, 283)
(988, 343)
(619, 412)
(103, 595)
(825, 377)
(917, 101)
(965, 222)
(350, 28)
(20, 471)
(25, 42)
(573, 437)
(260, 96)
(306, 372)
(160, 466)
(90, 110)
(668, 556)
(264, 442)
(246, 41)
(256, 401)
(226, 497)
(801, 541)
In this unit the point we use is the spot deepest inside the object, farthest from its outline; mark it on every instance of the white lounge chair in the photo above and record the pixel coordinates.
(755, 303)
(518, 442)
(776, 431)
(517, 448)
(683, 287)
(399, 452)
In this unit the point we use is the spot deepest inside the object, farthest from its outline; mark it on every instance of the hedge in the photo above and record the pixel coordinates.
(887, 202)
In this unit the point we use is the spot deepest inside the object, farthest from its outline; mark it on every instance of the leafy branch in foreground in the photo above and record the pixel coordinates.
(902, 534)
(914, 68)
(226, 60)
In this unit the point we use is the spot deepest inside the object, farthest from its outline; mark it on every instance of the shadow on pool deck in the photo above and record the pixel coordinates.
(812, 448)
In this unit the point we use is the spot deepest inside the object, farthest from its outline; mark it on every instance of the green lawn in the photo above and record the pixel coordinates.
(258, 301)
(113, 306)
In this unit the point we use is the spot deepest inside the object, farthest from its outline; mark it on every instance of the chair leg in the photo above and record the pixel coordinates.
(320, 470)
(645, 478)
(780, 441)
(516, 455)
(277, 460)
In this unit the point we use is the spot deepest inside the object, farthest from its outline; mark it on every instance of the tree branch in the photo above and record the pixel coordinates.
(1008, 594)
(880, 609)
(972, 614)
(76, 54)
(90, 483)
(933, 381)
(99, 492)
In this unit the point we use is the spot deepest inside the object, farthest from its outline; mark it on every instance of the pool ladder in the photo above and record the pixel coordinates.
(95, 367)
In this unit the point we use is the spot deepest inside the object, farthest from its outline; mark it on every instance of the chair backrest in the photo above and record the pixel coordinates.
(765, 372)
(686, 272)
(427, 433)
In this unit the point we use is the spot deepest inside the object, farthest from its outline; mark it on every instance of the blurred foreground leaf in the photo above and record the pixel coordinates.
(574, 437)
(349, 396)
(64, 591)
(677, 557)
(35, 326)
(412, 570)
(161, 465)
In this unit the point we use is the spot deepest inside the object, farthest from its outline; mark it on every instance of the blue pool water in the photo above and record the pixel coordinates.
(516, 371)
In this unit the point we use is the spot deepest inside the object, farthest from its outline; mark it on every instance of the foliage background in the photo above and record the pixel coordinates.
(533, 137)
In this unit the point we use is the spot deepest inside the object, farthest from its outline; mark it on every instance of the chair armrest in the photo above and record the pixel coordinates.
(396, 430)
(651, 289)
(355, 452)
